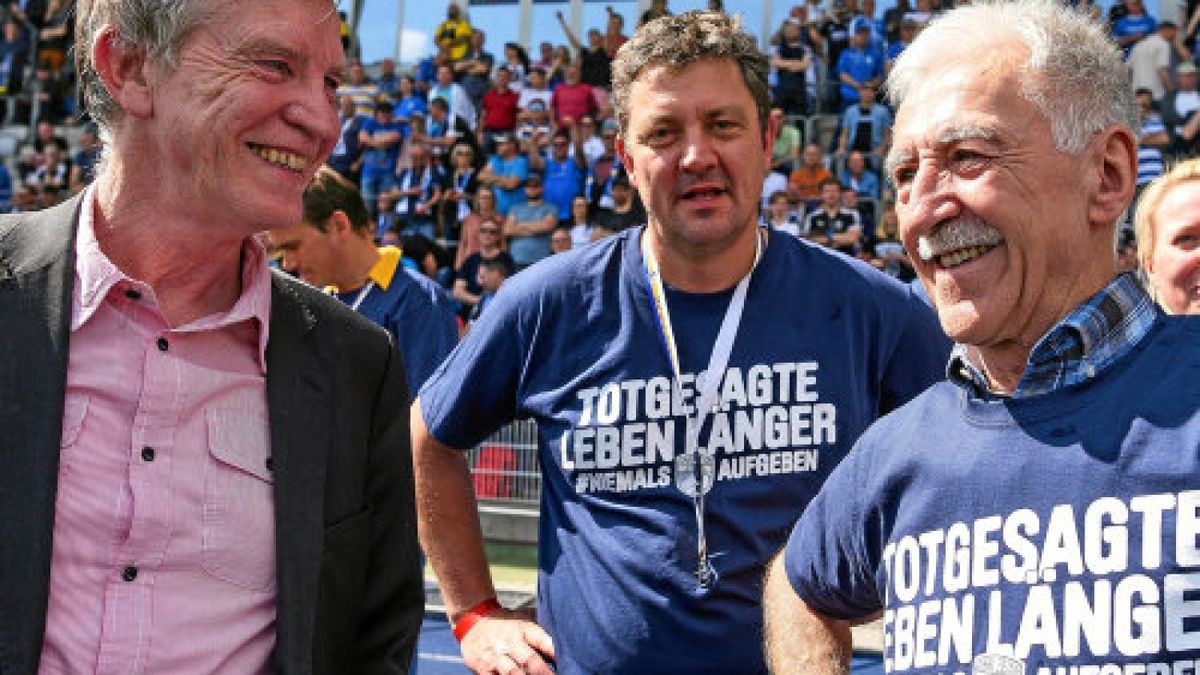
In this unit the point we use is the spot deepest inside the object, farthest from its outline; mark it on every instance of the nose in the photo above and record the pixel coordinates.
(698, 154)
(314, 111)
(929, 199)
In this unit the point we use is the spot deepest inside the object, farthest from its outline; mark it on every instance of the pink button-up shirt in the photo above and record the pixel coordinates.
(164, 530)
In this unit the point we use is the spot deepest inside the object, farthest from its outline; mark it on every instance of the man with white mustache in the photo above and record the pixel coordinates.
(654, 539)
(1038, 512)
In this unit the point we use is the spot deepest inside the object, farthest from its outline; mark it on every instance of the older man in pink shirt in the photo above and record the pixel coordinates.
(206, 466)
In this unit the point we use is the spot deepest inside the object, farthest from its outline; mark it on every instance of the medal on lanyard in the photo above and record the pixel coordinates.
(695, 469)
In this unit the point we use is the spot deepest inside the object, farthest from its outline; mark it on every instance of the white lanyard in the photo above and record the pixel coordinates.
(695, 469)
(362, 294)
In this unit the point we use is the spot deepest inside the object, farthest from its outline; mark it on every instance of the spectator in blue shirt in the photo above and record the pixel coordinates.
(856, 175)
(380, 138)
(506, 172)
(1135, 25)
(866, 127)
(562, 174)
(858, 66)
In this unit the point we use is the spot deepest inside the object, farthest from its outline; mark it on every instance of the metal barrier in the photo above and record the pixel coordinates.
(505, 467)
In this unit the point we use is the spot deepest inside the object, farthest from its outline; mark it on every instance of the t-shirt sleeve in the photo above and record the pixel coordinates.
(474, 391)
(918, 359)
(825, 557)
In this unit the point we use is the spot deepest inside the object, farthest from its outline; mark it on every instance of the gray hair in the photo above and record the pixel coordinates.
(679, 41)
(1074, 73)
(156, 26)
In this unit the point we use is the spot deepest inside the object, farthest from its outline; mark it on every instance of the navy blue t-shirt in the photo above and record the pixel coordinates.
(417, 313)
(826, 343)
(1047, 533)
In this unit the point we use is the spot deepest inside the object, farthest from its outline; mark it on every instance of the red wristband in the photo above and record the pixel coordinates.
(472, 616)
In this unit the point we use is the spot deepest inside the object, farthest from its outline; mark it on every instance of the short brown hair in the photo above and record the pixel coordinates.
(678, 41)
(329, 191)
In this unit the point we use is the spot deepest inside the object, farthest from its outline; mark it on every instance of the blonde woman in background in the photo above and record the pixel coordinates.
(1167, 225)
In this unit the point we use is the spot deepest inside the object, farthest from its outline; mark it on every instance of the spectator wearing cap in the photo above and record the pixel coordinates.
(626, 210)
(563, 171)
(453, 93)
(380, 138)
(529, 225)
(1179, 108)
(1150, 60)
(572, 99)
(505, 173)
(499, 109)
(858, 66)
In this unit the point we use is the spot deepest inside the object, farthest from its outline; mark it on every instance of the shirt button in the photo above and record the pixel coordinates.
(133, 294)
(163, 345)
(148, 454)
(129, 573)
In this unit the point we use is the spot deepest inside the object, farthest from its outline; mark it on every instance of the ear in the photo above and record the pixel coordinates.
(626, 159)
(1116, 167)
(339, 225)
(770, 133)
(124, 71)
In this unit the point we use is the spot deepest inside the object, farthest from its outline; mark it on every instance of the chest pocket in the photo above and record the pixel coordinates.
(239, 515)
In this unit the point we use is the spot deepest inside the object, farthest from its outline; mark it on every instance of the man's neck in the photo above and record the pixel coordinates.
(707, 268)
(357, 270)
(195, 268)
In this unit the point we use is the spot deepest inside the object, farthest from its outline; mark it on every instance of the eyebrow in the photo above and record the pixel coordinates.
(948, 136)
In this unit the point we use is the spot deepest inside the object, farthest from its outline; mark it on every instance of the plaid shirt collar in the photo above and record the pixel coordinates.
(1077, 348)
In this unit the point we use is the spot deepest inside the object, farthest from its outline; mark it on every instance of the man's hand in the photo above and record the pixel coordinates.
(507, 641)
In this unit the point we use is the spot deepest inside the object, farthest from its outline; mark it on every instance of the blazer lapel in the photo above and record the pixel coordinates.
(298, 394)
(37, 274)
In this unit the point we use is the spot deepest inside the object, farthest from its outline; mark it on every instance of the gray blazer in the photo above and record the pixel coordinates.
(350, 590)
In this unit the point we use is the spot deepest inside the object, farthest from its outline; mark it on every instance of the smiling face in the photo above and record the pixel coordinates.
(696, 154)
(1000, 216)
(249, 113)
(1173, 265)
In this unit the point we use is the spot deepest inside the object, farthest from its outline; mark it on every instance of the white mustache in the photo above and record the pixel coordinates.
(962, 232)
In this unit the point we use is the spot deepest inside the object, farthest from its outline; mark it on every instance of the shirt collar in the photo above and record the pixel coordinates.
(381, 273)
(96, 276)
(384, 269)
(1082, 344)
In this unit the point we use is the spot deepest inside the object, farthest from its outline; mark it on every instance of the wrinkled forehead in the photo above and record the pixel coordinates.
(958, 102)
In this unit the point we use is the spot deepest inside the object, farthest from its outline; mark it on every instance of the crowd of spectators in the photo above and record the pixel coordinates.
(532, 133)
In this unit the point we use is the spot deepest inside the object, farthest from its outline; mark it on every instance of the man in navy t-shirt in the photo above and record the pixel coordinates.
(693, 382)
(1039, 512)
